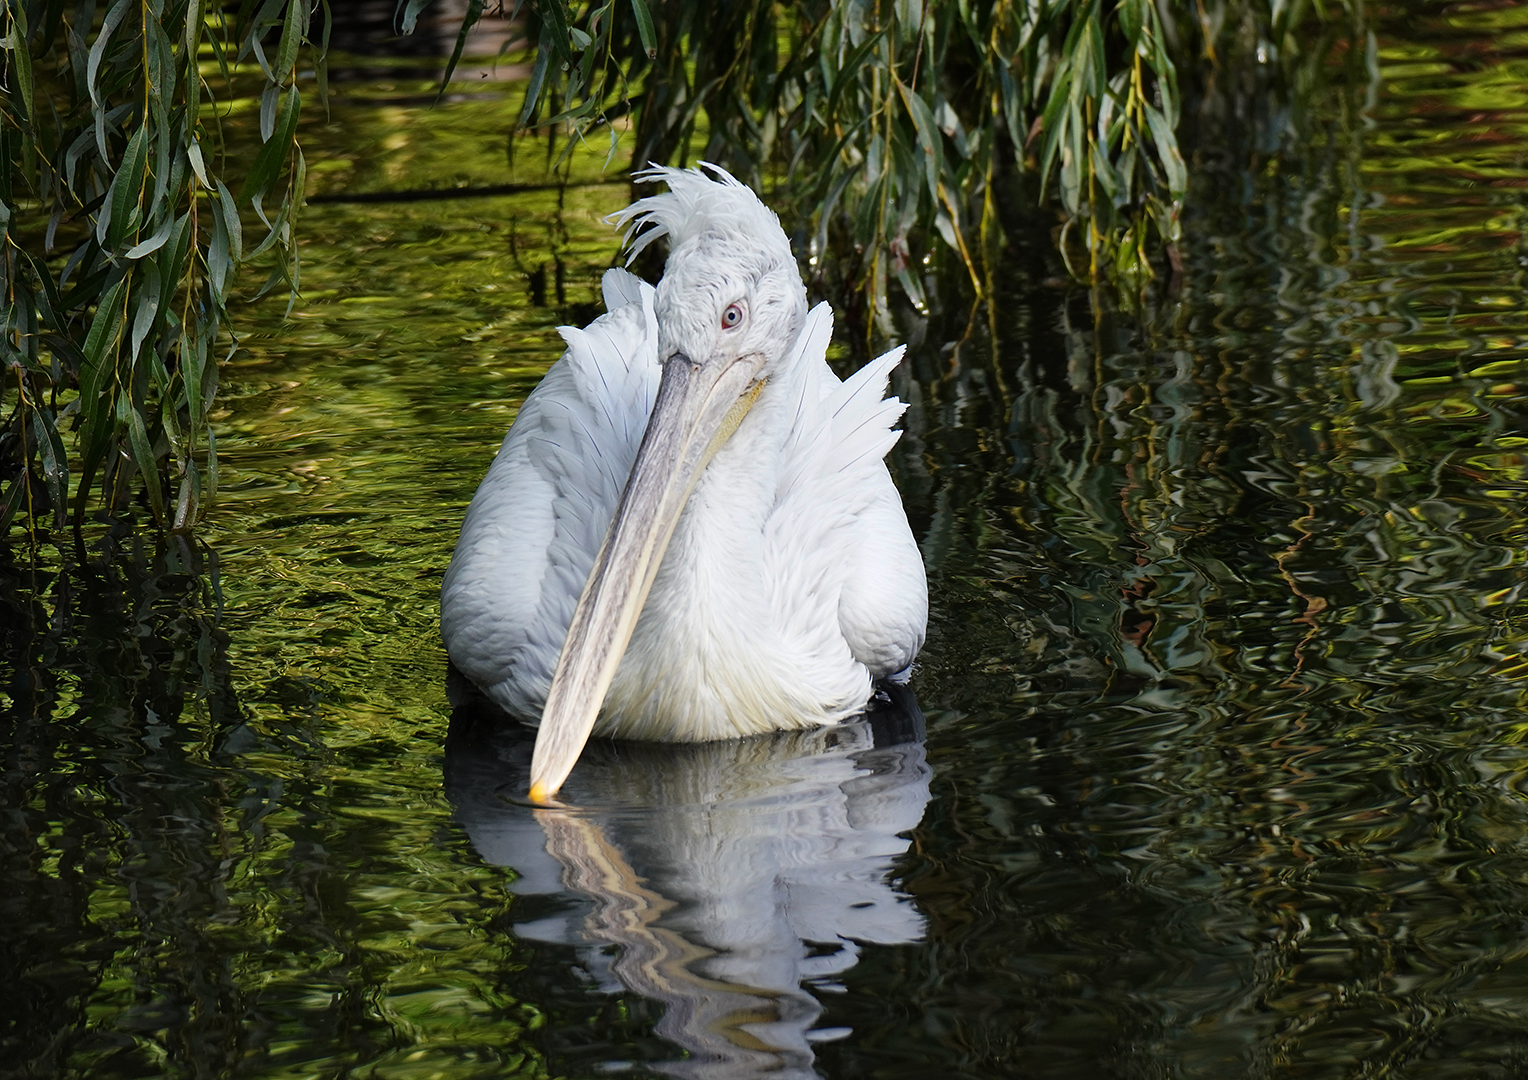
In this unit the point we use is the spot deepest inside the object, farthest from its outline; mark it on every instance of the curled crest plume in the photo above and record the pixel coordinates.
(697, 203)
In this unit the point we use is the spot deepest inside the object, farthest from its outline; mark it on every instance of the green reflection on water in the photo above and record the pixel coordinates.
(230, 852)
(1226, 682)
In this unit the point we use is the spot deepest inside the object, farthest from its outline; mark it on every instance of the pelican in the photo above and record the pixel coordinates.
(689, 532)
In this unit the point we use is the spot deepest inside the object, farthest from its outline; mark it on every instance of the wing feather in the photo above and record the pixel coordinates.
(840, 535)
(538, 519)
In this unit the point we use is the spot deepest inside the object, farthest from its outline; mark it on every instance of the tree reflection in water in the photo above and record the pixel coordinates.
(732, 877)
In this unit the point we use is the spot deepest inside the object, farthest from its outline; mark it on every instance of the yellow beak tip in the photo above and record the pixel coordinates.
(541, 794)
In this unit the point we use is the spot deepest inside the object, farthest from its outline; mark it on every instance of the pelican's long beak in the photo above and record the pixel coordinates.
(698, 408)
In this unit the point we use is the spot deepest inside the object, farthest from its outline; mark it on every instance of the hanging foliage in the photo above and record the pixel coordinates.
(884, 124)
(122, 236)
(883, 129)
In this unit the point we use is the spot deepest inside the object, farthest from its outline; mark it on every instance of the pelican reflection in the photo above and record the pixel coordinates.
(732, 875)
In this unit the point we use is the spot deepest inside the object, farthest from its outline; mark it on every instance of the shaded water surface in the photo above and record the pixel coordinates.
(1214, 765)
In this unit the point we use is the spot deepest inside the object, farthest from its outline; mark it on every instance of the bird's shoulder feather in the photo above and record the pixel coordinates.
(537, 520)
(837, 504)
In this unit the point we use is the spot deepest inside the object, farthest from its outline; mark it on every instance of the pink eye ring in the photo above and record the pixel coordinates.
(732, 317)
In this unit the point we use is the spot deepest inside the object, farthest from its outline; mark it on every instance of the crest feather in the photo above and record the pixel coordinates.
(698, 203)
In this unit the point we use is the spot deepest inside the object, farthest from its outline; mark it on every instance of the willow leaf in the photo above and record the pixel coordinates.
(474, 14)
(21, 79)
(645, 28)
(126, 189)
(930, 147)
(147, 462)
(267, 166)
(293, 31)
(153, 243)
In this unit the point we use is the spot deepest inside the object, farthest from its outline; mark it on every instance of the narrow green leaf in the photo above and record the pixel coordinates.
(21, 81)
(148, 464)
(267, 165)
(146, 313)
(198, 165)
(166, 153)
(1050, 119)
(1165, 142)
(100, 355)
(930, 145)
(1098, 77)
(100, 342)
(946, 230)
(77, 150)
(848, 73)
(169, 408)
(153, 243)
(252, 43)
(1103, 171)
(219, 250)
(1071, 167)
(186, 501)
(538, 80)
(293, 31)
(867, 218)
(554, 24)
(645, 27)
(1130, 19)
(18, 320)
(474, 13)
(906, 166)
(578, 112)
(51, 306)
(193, 354)
(114, 16)
(321, 69)
(299, 190)
(190, 50)
(270, 97)
(87, 289)
(126, 189)
(1013, 112)
(220, 54)
(161, 61)
(912, 286)
(53, 458)
(1126, 170)
(172, 261)
(826, 214)
(13, 500)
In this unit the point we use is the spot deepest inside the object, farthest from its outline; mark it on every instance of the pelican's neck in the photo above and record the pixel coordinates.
(716, 542)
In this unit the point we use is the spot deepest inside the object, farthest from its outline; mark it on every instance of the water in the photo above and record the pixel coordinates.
(1215, 763)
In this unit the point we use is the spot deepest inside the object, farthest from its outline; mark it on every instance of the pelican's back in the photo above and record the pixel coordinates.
(536, 523)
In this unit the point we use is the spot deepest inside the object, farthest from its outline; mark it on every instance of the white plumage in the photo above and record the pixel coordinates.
(791, 580)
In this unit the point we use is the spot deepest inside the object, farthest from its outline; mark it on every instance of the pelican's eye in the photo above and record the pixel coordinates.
(732, 317)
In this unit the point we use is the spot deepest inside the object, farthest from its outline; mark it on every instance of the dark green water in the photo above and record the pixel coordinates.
(1222, 773)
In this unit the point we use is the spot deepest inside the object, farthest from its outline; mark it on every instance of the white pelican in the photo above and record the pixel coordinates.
(689, 532)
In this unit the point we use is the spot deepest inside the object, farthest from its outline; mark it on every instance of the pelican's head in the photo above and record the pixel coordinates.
(729, 307)
(730, 289)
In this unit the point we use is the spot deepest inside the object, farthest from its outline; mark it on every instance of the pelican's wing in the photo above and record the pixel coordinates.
(540, 515)
(836, 497)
